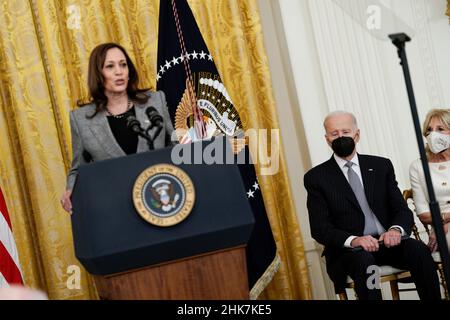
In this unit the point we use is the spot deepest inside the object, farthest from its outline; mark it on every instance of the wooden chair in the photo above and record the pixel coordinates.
(387, 274)
(408, 196)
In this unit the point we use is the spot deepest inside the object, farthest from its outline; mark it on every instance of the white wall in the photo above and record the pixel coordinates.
(292, 131)
(323, 58)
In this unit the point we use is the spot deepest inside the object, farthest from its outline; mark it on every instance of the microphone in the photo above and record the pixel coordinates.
(153, 115)
(156, 120)
(134, 125)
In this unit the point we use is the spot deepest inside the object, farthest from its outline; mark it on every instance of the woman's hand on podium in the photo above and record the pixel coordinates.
(66, 203)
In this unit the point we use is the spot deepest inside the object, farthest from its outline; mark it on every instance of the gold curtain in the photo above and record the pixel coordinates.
(448, 10)
(44, 51)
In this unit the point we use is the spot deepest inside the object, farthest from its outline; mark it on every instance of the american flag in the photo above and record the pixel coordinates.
(186, 68)
(10, 272)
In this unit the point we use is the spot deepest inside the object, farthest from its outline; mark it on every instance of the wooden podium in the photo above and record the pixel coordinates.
(202, 257)
(214, 276)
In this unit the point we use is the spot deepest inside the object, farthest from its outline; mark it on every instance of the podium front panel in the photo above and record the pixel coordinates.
(111, 237)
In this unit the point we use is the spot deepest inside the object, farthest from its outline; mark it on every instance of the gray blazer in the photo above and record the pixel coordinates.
(93, 135)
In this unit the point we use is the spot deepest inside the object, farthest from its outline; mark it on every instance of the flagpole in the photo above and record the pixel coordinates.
(199, 124)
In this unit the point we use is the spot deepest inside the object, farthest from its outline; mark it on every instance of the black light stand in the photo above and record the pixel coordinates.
(399, 40)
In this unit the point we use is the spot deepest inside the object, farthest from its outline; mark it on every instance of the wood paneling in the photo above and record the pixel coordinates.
(219, 275)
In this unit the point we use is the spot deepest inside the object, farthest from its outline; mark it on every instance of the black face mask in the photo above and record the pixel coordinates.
(343, 146)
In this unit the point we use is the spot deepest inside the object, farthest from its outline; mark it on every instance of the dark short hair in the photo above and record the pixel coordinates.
(96, 80)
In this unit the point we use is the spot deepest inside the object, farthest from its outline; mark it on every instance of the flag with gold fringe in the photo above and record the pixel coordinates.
(201, 107)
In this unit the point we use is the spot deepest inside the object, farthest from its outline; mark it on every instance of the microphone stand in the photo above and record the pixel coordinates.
(150, 138)
(399, 40)
(134, 125)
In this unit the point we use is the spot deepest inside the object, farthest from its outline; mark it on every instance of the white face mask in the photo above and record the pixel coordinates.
(438, 141)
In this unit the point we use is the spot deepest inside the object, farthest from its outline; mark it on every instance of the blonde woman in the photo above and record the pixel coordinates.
(436, 130)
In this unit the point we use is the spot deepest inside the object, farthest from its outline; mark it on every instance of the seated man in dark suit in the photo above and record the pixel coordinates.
(354, 201)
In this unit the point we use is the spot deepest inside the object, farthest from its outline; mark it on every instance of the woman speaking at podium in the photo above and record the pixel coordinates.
(100, 129)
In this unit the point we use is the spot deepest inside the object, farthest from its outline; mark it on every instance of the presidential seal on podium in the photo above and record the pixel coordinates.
(163, 195)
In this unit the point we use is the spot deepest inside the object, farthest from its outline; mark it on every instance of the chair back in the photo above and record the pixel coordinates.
(408, 196)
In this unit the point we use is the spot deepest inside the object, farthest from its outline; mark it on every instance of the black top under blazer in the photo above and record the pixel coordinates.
(93, 136)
